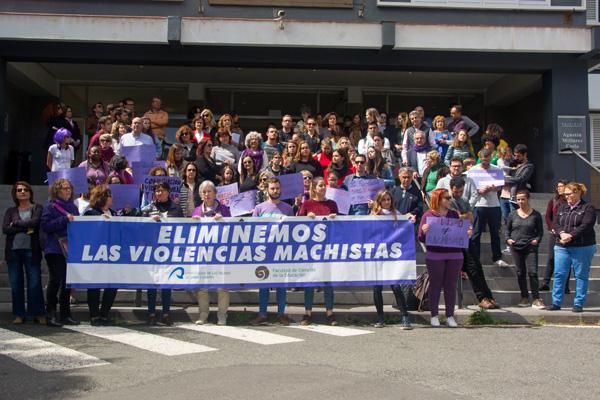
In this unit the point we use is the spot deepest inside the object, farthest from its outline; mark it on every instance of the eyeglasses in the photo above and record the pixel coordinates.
(22, 190)
(310, 123)
(104, 140)
(359, 162)
(185, 134)
(263, 179)
(308, 178)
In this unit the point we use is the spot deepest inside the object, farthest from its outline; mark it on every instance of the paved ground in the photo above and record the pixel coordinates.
(274, 362)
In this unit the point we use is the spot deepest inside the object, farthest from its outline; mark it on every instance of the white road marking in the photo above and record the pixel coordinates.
(42, 355)
(331, 330)
(248, 335)
(142, 340)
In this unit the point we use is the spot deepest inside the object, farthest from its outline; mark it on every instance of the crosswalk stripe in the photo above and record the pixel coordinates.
(142, 340)
(248, 335)
(42, 355)
(331, 330)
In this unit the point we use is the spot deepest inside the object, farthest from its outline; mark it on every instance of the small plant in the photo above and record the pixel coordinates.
(239, 318)
(352, 320)
(542, 321)
(391, 319)
(481, 317)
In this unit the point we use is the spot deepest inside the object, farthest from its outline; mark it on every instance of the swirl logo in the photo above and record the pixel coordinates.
(179, 272)
(262, 272)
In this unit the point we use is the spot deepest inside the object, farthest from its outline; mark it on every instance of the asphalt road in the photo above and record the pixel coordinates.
(426, 363)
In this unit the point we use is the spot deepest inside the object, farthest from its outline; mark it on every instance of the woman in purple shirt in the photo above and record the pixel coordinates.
(443, 263)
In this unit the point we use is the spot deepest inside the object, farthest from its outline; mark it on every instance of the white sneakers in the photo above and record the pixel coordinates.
(502, 263)
(450, 321)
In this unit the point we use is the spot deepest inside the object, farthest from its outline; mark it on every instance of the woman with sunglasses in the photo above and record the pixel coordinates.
(184, 137)
(207, 167)
(22, 253)
(443, 263)
(261, 193)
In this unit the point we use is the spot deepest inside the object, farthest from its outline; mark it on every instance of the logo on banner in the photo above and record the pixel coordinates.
(179, 273)
(262, 272)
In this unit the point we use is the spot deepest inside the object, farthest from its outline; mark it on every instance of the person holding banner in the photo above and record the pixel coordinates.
(524, 231)
(100, 205)
(360, 161)
(253, 150)
(407, 197)
(228, 176)
(135, 137)
(378, 167)
(225, 152)
(160, 209)
(189, 197)
(211, 208)
(261, 193)
(318, 205)
(22, 252)
(575, 245)
(95, 167)
(443, 263)
(57, 214)
(384, 205)
(340, 164)
(175, 162)
(119, 166)
(61, 154)
(273, 207)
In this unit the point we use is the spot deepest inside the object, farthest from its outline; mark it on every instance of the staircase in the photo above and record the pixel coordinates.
(501, 280)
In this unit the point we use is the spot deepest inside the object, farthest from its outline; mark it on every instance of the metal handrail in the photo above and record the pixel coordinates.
(585, 160)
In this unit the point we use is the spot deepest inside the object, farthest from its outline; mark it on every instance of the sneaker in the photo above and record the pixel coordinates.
(524, 302)
(577, 309)
(544, 288)
(283, 320)
(486, 304)
(538, 303)
(501, 263)
(259, 320)
(152, 319)
(166, 320)
(451, 322)
(200, 322)
(331, 320)
(406, 325)
(95, 321)
(18, 320)
(553, 307)
(379, 324)
(506, 250)
(306, 320)
(222, 321)
(435, 321)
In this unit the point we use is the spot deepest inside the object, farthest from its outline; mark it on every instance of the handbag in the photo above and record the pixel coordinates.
(421, 291)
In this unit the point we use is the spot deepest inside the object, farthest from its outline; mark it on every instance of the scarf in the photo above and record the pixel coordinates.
(420, 149)
(257, 156)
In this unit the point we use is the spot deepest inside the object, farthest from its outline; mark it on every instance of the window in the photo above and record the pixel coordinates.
(490, 4)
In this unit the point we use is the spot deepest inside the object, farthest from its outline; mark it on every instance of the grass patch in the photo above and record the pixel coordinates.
(391, 319)
(481, 317)
(542, 321)
(358, 321)
(240, 318)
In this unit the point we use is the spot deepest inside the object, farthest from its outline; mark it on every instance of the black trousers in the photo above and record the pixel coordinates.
(378, 299)
(57, 292)
(93, 298)
(550, 264)
(526, 262)
(472, 266)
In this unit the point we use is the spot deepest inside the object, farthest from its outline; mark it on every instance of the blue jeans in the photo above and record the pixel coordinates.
(263, 301)
(165, 295)
(18, 261)
(492, 217)
(507, 207)
(309, 297)
(581, 259)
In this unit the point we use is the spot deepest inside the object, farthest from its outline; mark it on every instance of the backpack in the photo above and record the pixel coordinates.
(421, 291)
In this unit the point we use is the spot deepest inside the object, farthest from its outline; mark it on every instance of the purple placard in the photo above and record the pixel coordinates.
(142, 152)
(75, 175)
(224, 193)
(242, 203)
(142, 168)
(363, 190)
(149, 181)
(486, 177)
(292, 185)
(447, 232)
(125, 196)
(341, 198)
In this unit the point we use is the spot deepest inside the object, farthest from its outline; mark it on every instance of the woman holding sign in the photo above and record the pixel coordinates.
(211, 208)
(161, 208)
(524, 231)
(318, 205)
(384, 205)
(443, 261)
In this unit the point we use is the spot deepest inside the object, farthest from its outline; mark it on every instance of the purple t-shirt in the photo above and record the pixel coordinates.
(268, 209)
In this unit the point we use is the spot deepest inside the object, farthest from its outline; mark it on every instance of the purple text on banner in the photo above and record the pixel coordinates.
(341, 198)
(125, 196)
(447, 232)
(173, 181)
(242, 203)
(142, 168)
(486, 177)
(225, 192)
(143, 152)
(75, 175)
(363, 190)
(292, 186)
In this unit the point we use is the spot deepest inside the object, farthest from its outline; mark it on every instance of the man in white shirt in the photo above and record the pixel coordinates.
(364, 144)
(417, 125)
(135, 137)
(470, 194)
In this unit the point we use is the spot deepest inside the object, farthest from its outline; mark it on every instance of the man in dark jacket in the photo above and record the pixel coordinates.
(519, 178)
(407, 197)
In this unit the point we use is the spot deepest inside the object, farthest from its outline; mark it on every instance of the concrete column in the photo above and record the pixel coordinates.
(565, 92)
(3, 112)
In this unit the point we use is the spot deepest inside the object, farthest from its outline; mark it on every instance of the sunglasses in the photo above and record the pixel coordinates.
(21, 190)
(359, 162)
(308, 178)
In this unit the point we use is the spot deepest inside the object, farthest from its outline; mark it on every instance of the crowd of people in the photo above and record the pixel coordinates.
(421, 160)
